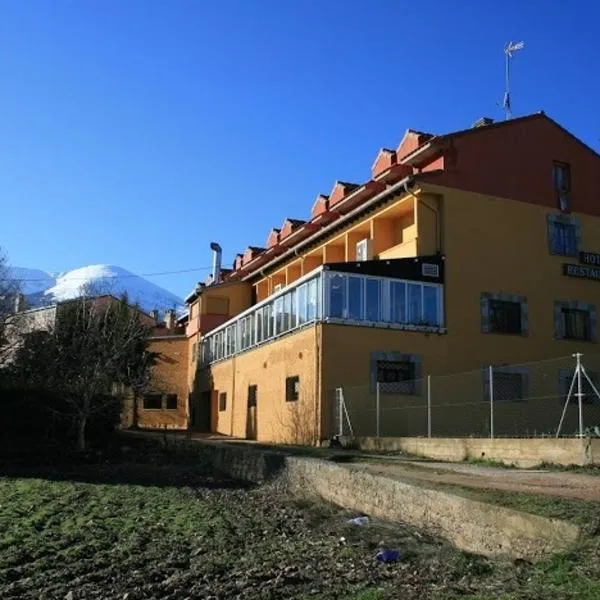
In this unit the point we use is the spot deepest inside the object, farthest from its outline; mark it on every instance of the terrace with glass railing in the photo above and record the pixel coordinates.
(330, 296)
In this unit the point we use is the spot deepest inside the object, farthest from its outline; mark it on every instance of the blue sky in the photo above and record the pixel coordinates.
(134, 132)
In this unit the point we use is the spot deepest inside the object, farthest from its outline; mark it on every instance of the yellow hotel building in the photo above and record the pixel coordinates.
(462, 250)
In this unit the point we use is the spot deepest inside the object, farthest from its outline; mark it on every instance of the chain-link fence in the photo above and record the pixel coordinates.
(537, 399)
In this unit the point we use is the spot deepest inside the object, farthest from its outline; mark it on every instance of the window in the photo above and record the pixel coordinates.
(314, 305)
(577, 324)
(367, 299)
(565, 379)
(505, 316)
(152, 401)
(562, 185)
(355, 298)
(293, 309)
(398, 308)
(430, 305)
(396, 373)
(396, 376)
(563, 235)
(278, 315)
(259, 325)
(373, 304)
(302, 304)
(287, 312)
(267, 322)
(414, 303)
(504, 313)
(292, 388)
(374, 300)
(508, 386)
(230, 339)
(575, 321)
(565, 240)
(509, 383)
(172, 401)
(337, 296)
(252, 389)
(222, 401)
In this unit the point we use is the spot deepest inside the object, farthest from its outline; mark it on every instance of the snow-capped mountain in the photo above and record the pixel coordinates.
(41, 288)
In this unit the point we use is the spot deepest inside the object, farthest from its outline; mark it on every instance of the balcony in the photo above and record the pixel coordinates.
(342, 293)
(402, 250)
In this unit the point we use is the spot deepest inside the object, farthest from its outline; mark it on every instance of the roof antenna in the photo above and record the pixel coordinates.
(509, 50)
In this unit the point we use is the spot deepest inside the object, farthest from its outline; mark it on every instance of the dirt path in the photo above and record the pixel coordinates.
(558, 484)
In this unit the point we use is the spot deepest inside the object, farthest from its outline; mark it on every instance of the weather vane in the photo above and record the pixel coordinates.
(509, 51)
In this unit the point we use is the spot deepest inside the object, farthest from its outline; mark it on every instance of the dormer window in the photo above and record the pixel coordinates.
(562, 185)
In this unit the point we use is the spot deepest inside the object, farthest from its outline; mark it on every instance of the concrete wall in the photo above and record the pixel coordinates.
(274, 419)
(489, 529)
(519, 452)
(472, 526)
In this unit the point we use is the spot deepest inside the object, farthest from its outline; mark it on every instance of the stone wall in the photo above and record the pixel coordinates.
(472, 526)
(521, 452)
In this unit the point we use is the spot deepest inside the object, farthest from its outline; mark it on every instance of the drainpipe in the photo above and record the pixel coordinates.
(216, 271)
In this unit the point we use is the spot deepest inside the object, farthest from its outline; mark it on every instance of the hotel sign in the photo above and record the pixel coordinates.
(589, 258)
(588, 269)
(581, 271)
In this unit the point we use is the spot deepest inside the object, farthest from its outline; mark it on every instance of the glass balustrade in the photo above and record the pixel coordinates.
(334, 297)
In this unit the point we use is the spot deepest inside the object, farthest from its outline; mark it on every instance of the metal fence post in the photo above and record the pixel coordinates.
(377, 417)
(491, 402)
(428, 406)
(578, 356)
(339, 409)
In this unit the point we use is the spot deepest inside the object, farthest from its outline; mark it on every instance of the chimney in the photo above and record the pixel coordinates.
(170, 319)
(20, 303)
(216, 272)
(482, 122)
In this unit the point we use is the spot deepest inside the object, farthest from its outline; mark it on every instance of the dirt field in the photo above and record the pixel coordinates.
(137, 532)
(159, 524)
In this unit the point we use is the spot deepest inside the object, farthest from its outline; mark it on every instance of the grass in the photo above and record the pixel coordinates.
(158, 525)
(108, 532)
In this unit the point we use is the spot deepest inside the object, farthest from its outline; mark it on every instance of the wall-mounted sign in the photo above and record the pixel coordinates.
(581, 271)
(589, 258)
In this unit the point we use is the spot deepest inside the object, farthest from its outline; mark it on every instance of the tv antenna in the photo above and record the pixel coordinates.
(509, 51)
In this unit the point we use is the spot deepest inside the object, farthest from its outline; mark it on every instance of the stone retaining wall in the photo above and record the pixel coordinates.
(521, 452)
(473, 526)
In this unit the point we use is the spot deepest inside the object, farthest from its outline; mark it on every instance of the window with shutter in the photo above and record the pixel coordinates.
(575, 321)
(564, 235)
(562, 185)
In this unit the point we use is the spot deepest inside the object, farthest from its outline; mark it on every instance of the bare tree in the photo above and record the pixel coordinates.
(95, 344)
(9, 290)
(140, 379)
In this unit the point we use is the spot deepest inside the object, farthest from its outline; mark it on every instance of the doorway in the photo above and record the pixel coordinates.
(200, 404)
(251, 413)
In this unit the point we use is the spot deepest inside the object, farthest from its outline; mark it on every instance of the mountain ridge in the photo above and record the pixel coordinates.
(41, 288)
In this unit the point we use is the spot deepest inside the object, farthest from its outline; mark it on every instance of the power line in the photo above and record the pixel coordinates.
(157, 274)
